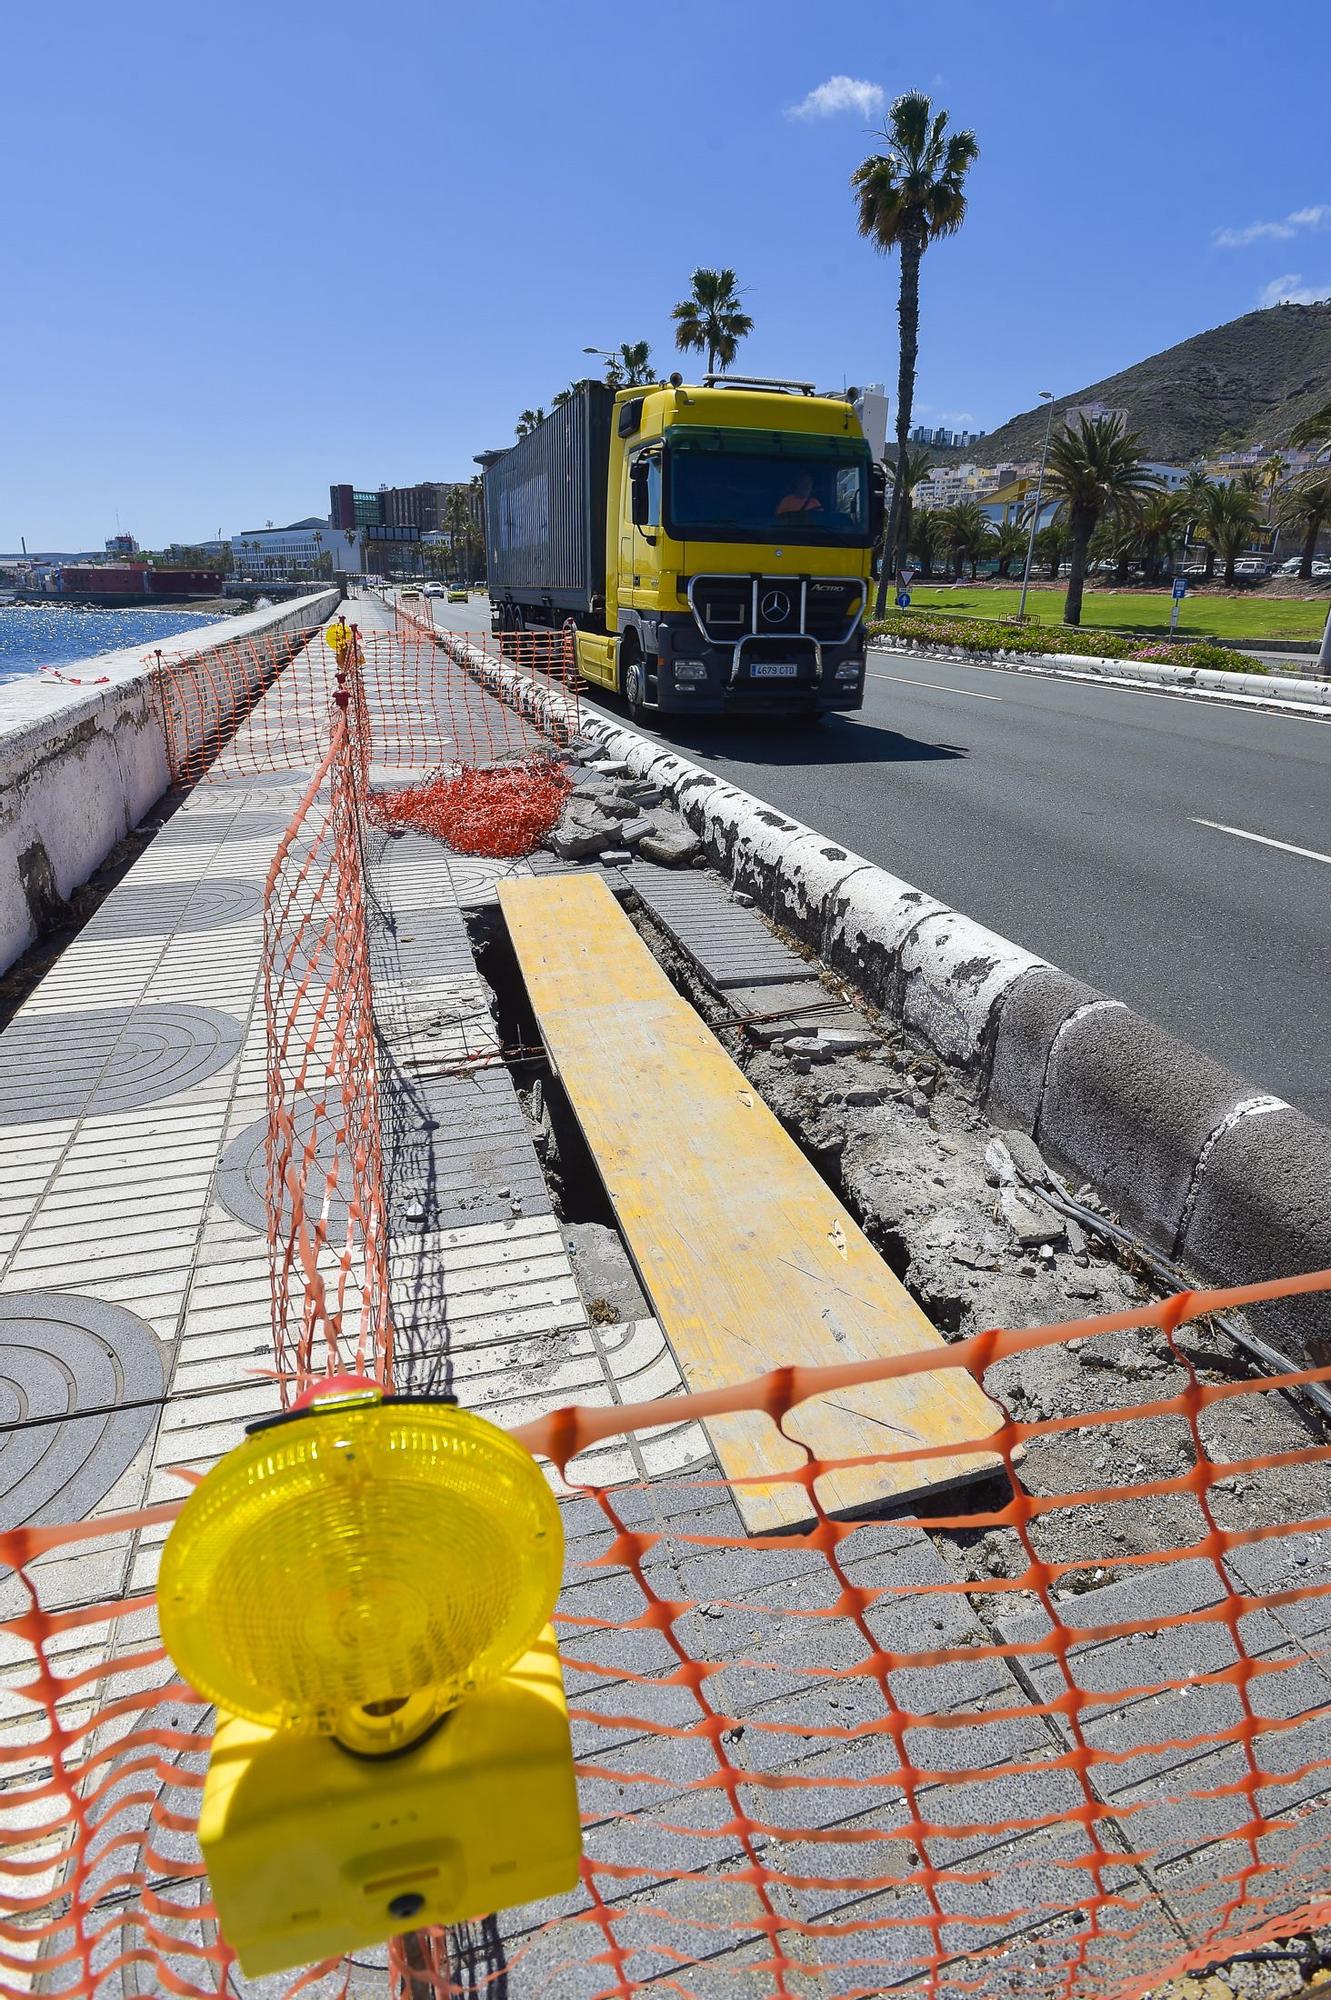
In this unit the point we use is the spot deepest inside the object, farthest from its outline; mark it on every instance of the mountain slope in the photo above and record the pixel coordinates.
(1249, 382)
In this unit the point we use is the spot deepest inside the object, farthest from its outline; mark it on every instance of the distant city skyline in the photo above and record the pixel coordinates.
(191, 362)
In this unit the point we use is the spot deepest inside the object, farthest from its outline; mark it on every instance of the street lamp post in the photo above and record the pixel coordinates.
(1046, 397)
(604, 353)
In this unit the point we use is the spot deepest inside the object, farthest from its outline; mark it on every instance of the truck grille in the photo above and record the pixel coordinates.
(729, 608)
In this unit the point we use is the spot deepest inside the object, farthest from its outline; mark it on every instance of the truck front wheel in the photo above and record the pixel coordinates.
(633, 681)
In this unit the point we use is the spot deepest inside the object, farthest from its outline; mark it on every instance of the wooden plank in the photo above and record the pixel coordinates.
(749, 1260)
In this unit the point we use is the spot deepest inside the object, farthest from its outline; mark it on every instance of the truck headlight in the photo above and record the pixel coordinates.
(690, 670)
(849, 670)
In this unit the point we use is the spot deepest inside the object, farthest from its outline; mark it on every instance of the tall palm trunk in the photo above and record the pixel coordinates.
(1082, 527)
(1210, 562)
(1309, 550)
(908, 319)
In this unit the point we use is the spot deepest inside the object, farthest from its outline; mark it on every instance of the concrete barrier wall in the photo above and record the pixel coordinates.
(1222, 1177)
(81, 762)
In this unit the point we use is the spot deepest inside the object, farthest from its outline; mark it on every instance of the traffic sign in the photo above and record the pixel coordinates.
(1180, 586)
(903, 600)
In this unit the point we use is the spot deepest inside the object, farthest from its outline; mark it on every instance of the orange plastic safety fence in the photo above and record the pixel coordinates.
(836, 1761)
(204, 698)
(328, 1235)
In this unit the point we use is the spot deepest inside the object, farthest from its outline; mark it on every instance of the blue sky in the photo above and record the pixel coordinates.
(251, 249)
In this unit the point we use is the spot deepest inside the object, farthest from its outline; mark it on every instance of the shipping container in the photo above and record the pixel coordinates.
(545, 511)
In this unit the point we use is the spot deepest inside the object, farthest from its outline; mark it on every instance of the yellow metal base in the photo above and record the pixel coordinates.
(312, 1851)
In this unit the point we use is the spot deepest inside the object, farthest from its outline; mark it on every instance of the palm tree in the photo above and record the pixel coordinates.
(926, 538)
(528, 421)
(907, 197)
(1194, 497)
(967, 533)
(1305, 507)
(1094, 469)
(457, 523)
(1231, 519)
(631, 367)
(1272, 473)
(1009, 546)
(1158, 531)
(711, 318)
(914, 467)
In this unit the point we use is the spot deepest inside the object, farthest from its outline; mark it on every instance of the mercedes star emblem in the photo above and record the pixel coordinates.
(775, 607)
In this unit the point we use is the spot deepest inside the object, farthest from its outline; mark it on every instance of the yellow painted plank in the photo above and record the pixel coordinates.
(749, 1260)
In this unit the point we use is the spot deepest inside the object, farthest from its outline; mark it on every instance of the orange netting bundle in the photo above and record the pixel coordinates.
(503, 811)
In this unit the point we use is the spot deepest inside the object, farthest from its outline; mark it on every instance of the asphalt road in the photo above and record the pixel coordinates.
(1067, 818)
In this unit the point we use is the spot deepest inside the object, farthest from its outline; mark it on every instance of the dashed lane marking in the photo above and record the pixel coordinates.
(1286, 846)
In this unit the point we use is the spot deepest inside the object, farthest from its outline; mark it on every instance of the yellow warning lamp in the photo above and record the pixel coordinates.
(364, 1588)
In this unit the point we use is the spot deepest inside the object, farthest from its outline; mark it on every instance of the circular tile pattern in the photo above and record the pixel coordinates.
(242, 1179)
(154, 909)
(109, 1059)
(60, 1353)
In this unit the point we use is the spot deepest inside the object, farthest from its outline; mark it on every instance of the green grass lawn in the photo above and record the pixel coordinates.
(1139, 611)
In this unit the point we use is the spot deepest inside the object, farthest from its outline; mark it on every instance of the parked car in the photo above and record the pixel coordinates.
(1321, 567)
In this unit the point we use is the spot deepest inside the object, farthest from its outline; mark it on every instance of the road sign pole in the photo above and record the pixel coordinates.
(1179, 593)
(1324, 656)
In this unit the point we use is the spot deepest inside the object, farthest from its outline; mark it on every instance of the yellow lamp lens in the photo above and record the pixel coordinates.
(358, 1556)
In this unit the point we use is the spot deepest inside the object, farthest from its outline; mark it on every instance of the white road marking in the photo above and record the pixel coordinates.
(1287, 847)
(907, 681)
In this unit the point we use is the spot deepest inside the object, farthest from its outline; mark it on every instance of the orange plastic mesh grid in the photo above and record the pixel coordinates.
(824, 1762)
(438, 750)
(327, 1228)
(204, 698)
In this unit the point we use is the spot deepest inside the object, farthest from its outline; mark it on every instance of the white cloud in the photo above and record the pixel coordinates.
(841, 93)
(1316, 217)
(1291, 291)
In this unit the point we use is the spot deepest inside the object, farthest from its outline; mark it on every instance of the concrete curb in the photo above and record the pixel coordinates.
(83, 759)
(1281, 692)
(1234, 1183)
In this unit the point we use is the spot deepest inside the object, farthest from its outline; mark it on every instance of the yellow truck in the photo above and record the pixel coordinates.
(712, 544)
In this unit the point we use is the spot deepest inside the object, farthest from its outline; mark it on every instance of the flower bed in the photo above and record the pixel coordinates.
(1004, 635)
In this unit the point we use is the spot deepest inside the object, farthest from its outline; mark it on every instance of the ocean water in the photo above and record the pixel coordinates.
(33, 636)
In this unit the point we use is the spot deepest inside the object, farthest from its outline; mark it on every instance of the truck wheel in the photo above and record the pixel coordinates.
(633, 685)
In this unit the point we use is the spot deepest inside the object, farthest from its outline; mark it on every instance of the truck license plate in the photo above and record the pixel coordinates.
(775, 670)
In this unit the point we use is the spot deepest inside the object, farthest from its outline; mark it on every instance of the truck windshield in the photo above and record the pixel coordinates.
(765, 487)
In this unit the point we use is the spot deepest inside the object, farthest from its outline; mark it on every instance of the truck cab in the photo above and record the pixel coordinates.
(713, 545)
(740, 521)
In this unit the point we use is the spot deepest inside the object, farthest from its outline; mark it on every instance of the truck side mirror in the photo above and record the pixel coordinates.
(638, 493)
(877, 502)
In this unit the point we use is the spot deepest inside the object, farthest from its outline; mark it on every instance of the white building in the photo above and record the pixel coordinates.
(1171, 477)
(285, 553)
